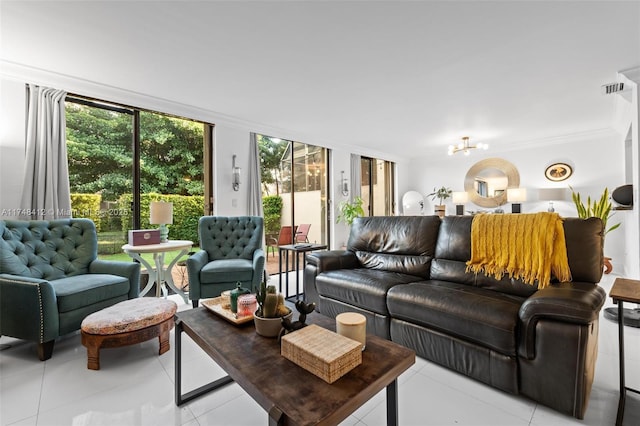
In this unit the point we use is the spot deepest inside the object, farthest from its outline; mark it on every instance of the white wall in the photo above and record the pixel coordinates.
(12, 135)
(230, 137)
(597, 160)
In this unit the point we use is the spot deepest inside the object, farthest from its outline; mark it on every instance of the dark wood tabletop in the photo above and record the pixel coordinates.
(277, 384)
(626, 290)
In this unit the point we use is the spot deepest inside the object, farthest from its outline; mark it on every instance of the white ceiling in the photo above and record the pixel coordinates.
(404, 78)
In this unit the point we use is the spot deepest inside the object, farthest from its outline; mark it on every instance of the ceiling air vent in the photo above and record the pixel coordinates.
(611, 88)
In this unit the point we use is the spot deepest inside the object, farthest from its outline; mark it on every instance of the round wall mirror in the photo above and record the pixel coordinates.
(487, 182)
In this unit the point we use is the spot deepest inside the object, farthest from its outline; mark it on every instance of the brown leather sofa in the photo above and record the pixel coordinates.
(407, 276)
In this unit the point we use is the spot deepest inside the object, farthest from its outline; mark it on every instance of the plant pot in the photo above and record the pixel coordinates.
(269, 327)
(440, 210)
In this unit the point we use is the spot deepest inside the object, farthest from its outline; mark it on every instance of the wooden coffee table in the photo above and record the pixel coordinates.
(289, 394)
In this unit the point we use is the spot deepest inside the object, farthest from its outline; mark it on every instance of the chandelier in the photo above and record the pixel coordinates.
(465, 147)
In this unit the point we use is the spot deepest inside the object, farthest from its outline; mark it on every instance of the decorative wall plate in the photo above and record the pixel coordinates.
(558, 172)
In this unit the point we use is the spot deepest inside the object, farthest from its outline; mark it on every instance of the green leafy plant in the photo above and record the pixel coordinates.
(350, 210)
(441, 194)
(601, 208)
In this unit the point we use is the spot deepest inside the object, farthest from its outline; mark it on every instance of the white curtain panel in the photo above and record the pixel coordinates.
(255, 181)
(356, 182)
(46, 193)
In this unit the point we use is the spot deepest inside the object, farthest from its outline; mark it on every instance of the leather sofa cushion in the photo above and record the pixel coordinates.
(402, 244)
(227, 270)
(485, 317)
(85, 290)
(364, 288)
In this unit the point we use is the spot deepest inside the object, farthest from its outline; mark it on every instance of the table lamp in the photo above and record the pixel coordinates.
(161, 213)
(551, 195)
(459, 198)
(515, 196)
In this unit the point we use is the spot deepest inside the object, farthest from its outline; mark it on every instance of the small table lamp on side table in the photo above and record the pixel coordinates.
(459, 198)
(161, 213)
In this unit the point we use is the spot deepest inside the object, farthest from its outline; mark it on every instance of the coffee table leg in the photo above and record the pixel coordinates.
(392, 403)
(275, 417)
(184, 398)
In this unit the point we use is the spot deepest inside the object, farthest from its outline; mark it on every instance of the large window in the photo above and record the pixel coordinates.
(121, 158)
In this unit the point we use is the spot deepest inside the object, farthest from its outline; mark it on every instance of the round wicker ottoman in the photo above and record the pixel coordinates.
(127, 323)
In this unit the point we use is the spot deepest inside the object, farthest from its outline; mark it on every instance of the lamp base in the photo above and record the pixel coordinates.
(515, 208)
(459, 209)
(164, 233)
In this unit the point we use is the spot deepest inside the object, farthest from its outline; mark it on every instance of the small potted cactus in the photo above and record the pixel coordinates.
(271, 310)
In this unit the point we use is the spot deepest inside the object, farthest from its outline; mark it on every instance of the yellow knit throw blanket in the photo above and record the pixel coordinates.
(529, 247)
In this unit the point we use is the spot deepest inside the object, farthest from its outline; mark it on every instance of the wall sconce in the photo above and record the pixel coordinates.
(235, 180)
(516, 196)
(161, 213)
(344, 185)
(459, 198)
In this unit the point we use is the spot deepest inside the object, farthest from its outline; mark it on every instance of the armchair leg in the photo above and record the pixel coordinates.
(45, 350)
(194, 303)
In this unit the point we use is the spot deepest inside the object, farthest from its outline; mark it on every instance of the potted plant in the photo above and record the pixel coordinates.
(349, 210)
(601, 208)
(441, 194)
(271, 310)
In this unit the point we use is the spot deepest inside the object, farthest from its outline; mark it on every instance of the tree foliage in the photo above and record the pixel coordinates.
(271, 152)
(100, 151)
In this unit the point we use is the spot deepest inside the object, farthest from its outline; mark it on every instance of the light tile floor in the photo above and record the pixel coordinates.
(135, 387)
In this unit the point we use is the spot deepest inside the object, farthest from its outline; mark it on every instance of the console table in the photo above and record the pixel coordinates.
(159, 275)
(623, 290)
(296, 249)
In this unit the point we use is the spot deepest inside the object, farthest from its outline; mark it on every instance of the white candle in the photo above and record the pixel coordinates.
(353, 326)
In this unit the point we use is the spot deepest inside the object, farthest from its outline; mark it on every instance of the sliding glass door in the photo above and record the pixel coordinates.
(377, 186)
(296, 173)
(121, 158)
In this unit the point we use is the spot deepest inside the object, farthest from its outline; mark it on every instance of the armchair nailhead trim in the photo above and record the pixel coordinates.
(39, 304)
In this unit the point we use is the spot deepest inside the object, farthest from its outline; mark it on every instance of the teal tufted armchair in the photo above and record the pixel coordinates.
(231, 252)
(51, 279)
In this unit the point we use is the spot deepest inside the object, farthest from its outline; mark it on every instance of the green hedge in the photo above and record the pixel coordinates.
(272, 206)
(87, 206)
(187, 210)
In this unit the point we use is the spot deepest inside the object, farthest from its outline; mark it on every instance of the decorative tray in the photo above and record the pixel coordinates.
(216, 305)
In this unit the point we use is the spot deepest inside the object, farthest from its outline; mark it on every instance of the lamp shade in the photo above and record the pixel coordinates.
(516, 195)
(160, 213)
(459, 197)
(553, 194)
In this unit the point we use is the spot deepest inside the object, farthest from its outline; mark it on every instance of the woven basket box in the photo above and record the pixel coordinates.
(324, 353)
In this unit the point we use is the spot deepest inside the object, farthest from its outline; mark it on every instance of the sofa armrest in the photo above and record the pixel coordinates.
(195, 263)
(573, 302)
(28, 308)
(321, 261)
(330, 260)
(129, 270)
(258, 269)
